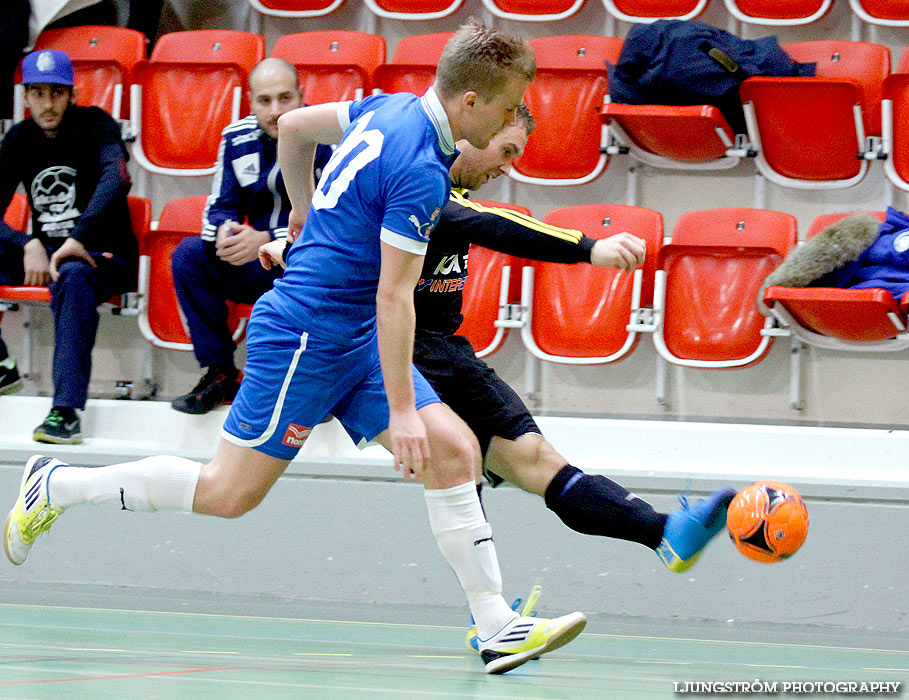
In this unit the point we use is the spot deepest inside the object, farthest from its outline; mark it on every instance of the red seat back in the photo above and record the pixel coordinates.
(17, 212)
(896, 89)
(860, 62)
(776, 10)
(102, 57)
(535, 9)
(714, 266)
(187, 93)
(582, 310)
(418, 9)
(565, 99)
(824, 220)
(179, 219)
(656, 8)
(413, 66)
(892, 10)
(332, 64)
(302, 8)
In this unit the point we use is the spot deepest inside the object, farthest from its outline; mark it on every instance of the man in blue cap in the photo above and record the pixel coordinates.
(72, 164)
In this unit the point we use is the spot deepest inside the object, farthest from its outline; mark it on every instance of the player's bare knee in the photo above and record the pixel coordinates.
(234, 504)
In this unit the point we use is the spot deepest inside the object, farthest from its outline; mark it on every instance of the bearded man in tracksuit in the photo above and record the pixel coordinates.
(248, 206)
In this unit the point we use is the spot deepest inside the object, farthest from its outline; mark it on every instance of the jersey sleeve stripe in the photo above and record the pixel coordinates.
(344, 115)
(409, 245)
(566, 234)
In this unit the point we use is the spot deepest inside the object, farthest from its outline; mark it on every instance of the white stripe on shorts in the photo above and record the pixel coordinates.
(279, 404)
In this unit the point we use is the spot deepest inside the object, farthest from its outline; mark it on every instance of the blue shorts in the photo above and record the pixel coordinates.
(293, 380)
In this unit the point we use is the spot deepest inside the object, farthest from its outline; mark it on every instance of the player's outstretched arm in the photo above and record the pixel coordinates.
(300, 131)
(396, 320)
(515, 233)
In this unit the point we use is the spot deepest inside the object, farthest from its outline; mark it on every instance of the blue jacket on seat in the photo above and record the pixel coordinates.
(670, 62)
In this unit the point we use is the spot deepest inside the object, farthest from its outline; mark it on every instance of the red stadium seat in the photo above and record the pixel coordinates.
(895, 123)
(413, 9)
(103, 62)
(194, 85)
(159, 316)
(581, 314)
(413, 66)
(707, 280)
(290, 9)
(777, 14)
(489, 291)
(565, 99)
(17, 212)
(11, 297)
(840, 319)
(807, 131)
(885, 13)
(533, 10)
(333, 65)
(696, 137)
(647, 11)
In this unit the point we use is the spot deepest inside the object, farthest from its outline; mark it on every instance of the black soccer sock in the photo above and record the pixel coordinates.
(595, 505)
(228, 369)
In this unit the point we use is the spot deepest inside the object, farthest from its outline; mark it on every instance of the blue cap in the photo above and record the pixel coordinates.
(47, 66)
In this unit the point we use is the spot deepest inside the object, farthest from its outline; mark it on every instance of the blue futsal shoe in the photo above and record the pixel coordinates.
(689, 529)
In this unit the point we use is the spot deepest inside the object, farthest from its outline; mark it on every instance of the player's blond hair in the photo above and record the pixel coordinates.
(481, 59)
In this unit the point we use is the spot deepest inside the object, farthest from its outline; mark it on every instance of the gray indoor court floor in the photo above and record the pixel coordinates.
(101, 643)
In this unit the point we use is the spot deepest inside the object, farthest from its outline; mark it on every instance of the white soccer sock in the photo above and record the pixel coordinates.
(153, 483)
(465, 539)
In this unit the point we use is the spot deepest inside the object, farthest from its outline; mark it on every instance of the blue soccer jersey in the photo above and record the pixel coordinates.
(312, 346)
(388, 180)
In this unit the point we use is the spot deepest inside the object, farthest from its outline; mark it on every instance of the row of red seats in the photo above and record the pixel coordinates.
(696, 296)
(804, 132)
(766, 12)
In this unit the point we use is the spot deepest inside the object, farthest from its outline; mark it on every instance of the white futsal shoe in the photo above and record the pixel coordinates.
(525, 638)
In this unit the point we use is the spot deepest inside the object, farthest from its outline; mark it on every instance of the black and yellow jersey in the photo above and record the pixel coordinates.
(439, 293)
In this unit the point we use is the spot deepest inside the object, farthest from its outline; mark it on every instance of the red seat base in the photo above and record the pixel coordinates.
(847, 314)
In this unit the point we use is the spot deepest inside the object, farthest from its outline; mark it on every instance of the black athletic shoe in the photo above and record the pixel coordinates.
(60, 428)
(10, 381)
(214, 389)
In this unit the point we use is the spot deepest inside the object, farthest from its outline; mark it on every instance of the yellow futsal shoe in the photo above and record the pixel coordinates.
(525, 638)
(33, 513)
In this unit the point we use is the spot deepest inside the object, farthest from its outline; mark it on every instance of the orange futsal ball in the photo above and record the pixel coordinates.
(767, 521)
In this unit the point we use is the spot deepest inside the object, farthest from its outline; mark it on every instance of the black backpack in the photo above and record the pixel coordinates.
(677, 62)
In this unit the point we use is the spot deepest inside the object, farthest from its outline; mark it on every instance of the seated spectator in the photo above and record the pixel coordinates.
(222, 265)
(72, 164)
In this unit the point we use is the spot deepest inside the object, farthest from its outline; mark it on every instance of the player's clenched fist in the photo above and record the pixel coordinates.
(622, 250)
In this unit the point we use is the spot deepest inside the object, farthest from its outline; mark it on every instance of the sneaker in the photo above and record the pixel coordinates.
(528, 611)
(525, 638)
(214, 389)
(34, 512)
(59, 428)
(689, 529)
(10, 381)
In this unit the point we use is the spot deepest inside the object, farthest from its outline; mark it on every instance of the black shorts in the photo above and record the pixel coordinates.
(473, 390)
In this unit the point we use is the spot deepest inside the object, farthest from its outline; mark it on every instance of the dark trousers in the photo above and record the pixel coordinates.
(204, 284)
(75, 297)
